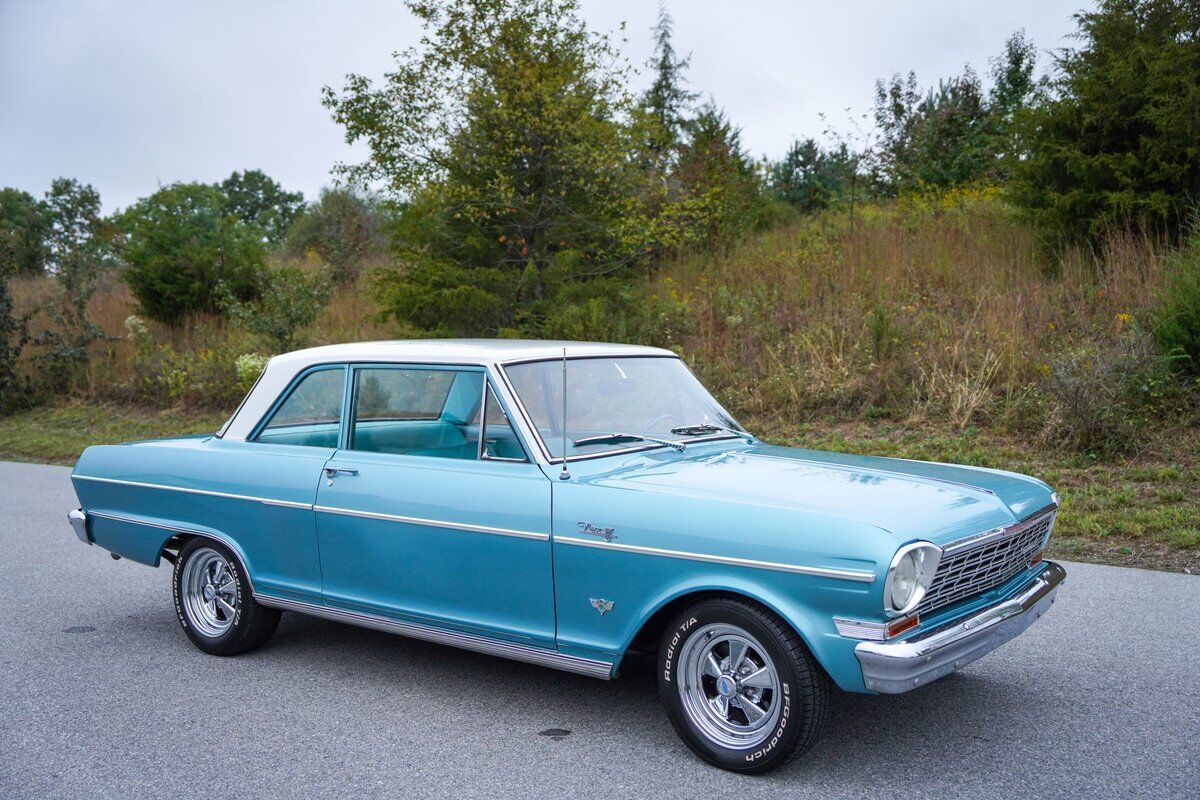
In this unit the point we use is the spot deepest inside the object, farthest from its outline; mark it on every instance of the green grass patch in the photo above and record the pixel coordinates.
(58, 434)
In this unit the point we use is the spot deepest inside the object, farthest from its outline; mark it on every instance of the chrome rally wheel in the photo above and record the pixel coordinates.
(740, 686)
(729, 686)
(214, 601)
(210, 592)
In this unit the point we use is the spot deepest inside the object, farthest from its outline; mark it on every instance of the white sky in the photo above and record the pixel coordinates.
(129, 95)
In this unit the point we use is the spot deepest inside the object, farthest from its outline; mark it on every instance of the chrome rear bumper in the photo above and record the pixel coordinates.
(895, 667)
(78, 519)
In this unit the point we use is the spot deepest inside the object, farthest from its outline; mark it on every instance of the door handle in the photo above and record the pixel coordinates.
(333, 472)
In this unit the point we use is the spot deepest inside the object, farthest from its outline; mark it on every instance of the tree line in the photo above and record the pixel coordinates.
(519, 183)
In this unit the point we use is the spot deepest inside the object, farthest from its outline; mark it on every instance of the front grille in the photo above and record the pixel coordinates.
(978, 568)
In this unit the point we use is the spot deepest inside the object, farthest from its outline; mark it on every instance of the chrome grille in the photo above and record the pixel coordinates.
(979, 567)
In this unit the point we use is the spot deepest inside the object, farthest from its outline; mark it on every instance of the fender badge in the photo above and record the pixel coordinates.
(601, 605)
(595, 530)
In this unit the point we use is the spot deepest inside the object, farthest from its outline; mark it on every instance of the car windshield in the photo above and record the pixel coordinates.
(635, 397)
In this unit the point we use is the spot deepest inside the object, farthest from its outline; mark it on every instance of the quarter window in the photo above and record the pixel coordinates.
(312, 413)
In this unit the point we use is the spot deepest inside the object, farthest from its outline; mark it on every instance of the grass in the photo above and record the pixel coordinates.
(58, 434)
(1142, 512)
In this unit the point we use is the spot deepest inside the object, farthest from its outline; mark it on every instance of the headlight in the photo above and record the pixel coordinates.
(909, 577)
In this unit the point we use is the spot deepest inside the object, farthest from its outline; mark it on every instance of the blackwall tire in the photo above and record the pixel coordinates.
(214, 602)
(739, 685)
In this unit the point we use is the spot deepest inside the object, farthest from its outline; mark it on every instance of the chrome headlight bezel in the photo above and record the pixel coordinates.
(927, 557)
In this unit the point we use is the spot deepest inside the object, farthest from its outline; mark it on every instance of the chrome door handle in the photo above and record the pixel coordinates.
(332, 472)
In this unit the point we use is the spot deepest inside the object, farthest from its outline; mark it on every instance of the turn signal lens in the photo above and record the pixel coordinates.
(1037, 559)
(900, 626)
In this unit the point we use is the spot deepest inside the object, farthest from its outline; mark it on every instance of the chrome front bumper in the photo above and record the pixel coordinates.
(895, 667)
(78, 519)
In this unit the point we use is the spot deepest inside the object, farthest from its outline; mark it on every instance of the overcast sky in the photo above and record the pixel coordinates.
(129, 95)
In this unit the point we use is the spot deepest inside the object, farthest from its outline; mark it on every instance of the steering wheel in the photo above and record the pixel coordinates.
(660, 418)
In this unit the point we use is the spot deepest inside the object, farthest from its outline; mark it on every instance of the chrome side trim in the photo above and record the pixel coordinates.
(821, 572)
(264, 500)
(895, 667)
(433, 523)
(478, 644)
(858, 629)
(999, 532)
(78, 519)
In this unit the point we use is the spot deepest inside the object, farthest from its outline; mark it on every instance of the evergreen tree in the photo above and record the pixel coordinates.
(666, 102)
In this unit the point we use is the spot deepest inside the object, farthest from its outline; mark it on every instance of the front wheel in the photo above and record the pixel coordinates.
(214, 602)
(740, 686)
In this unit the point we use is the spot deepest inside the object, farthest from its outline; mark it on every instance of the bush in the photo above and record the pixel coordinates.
(1101, 394)
(343, 228)
(184, 250)
(289, 299)
(1177, 319)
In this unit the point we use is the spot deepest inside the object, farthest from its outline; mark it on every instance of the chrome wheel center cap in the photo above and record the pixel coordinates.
(209, 594)
(726, 686)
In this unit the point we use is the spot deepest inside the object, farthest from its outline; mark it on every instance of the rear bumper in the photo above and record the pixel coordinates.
(895, 667)
(78, 519)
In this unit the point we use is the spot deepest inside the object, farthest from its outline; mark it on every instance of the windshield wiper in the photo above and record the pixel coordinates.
(626, 437)
(708, 427)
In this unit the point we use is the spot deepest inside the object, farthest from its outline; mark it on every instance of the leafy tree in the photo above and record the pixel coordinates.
(10, 343)
(1116, 140)
(504, 131)
(180, 243)
(343, 228)
(79, 245)
(258, 199)
(22, 233)
(666, 102)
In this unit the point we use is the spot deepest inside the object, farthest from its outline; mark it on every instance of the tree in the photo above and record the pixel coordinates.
(290, 298)
(504, 133)
(22, 233)
(10, 343)
(811, 177)
(1116, 139)
(666, 102)
(343, 228)
(79, 248)
(181, 243)
(257, 199)
(715, 168)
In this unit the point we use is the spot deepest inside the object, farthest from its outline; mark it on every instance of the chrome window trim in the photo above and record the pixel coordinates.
(479, 644)
(432, 523)
(208, 492)
(820, 572)
(536, 436)
(999, 532)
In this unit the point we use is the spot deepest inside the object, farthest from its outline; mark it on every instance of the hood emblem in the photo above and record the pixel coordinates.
(601, 605)
(596, 530)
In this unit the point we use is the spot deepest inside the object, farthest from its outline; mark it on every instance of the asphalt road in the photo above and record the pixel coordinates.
(101, 695)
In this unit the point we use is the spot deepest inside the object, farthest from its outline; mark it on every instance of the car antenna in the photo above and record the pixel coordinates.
(564, 475)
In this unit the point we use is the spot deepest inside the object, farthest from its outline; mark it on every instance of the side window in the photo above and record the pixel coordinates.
(499, 439)
(312, 414)
(424, 412)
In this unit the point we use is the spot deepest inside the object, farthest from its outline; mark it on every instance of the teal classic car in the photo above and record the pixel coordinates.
(567, 503)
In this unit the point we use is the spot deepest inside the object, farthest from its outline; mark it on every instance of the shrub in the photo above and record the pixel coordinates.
(289, 299)
(1099, 394)
(182, 243)
(1177, 319)
(343, 228)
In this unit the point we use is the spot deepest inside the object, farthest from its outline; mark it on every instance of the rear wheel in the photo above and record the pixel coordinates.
(214, 602)
(739, 685)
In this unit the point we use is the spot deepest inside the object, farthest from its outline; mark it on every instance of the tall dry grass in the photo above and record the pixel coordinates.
(946, 307)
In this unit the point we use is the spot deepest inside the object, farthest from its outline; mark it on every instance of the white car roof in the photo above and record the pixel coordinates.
(483, 352)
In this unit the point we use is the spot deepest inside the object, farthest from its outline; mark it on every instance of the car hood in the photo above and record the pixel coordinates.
(909, 499)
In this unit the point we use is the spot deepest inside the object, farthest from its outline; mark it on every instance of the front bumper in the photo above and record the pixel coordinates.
(895, 667)
(78, 519)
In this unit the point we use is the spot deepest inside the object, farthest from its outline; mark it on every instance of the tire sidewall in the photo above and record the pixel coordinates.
(211, 644)
(775, 748)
